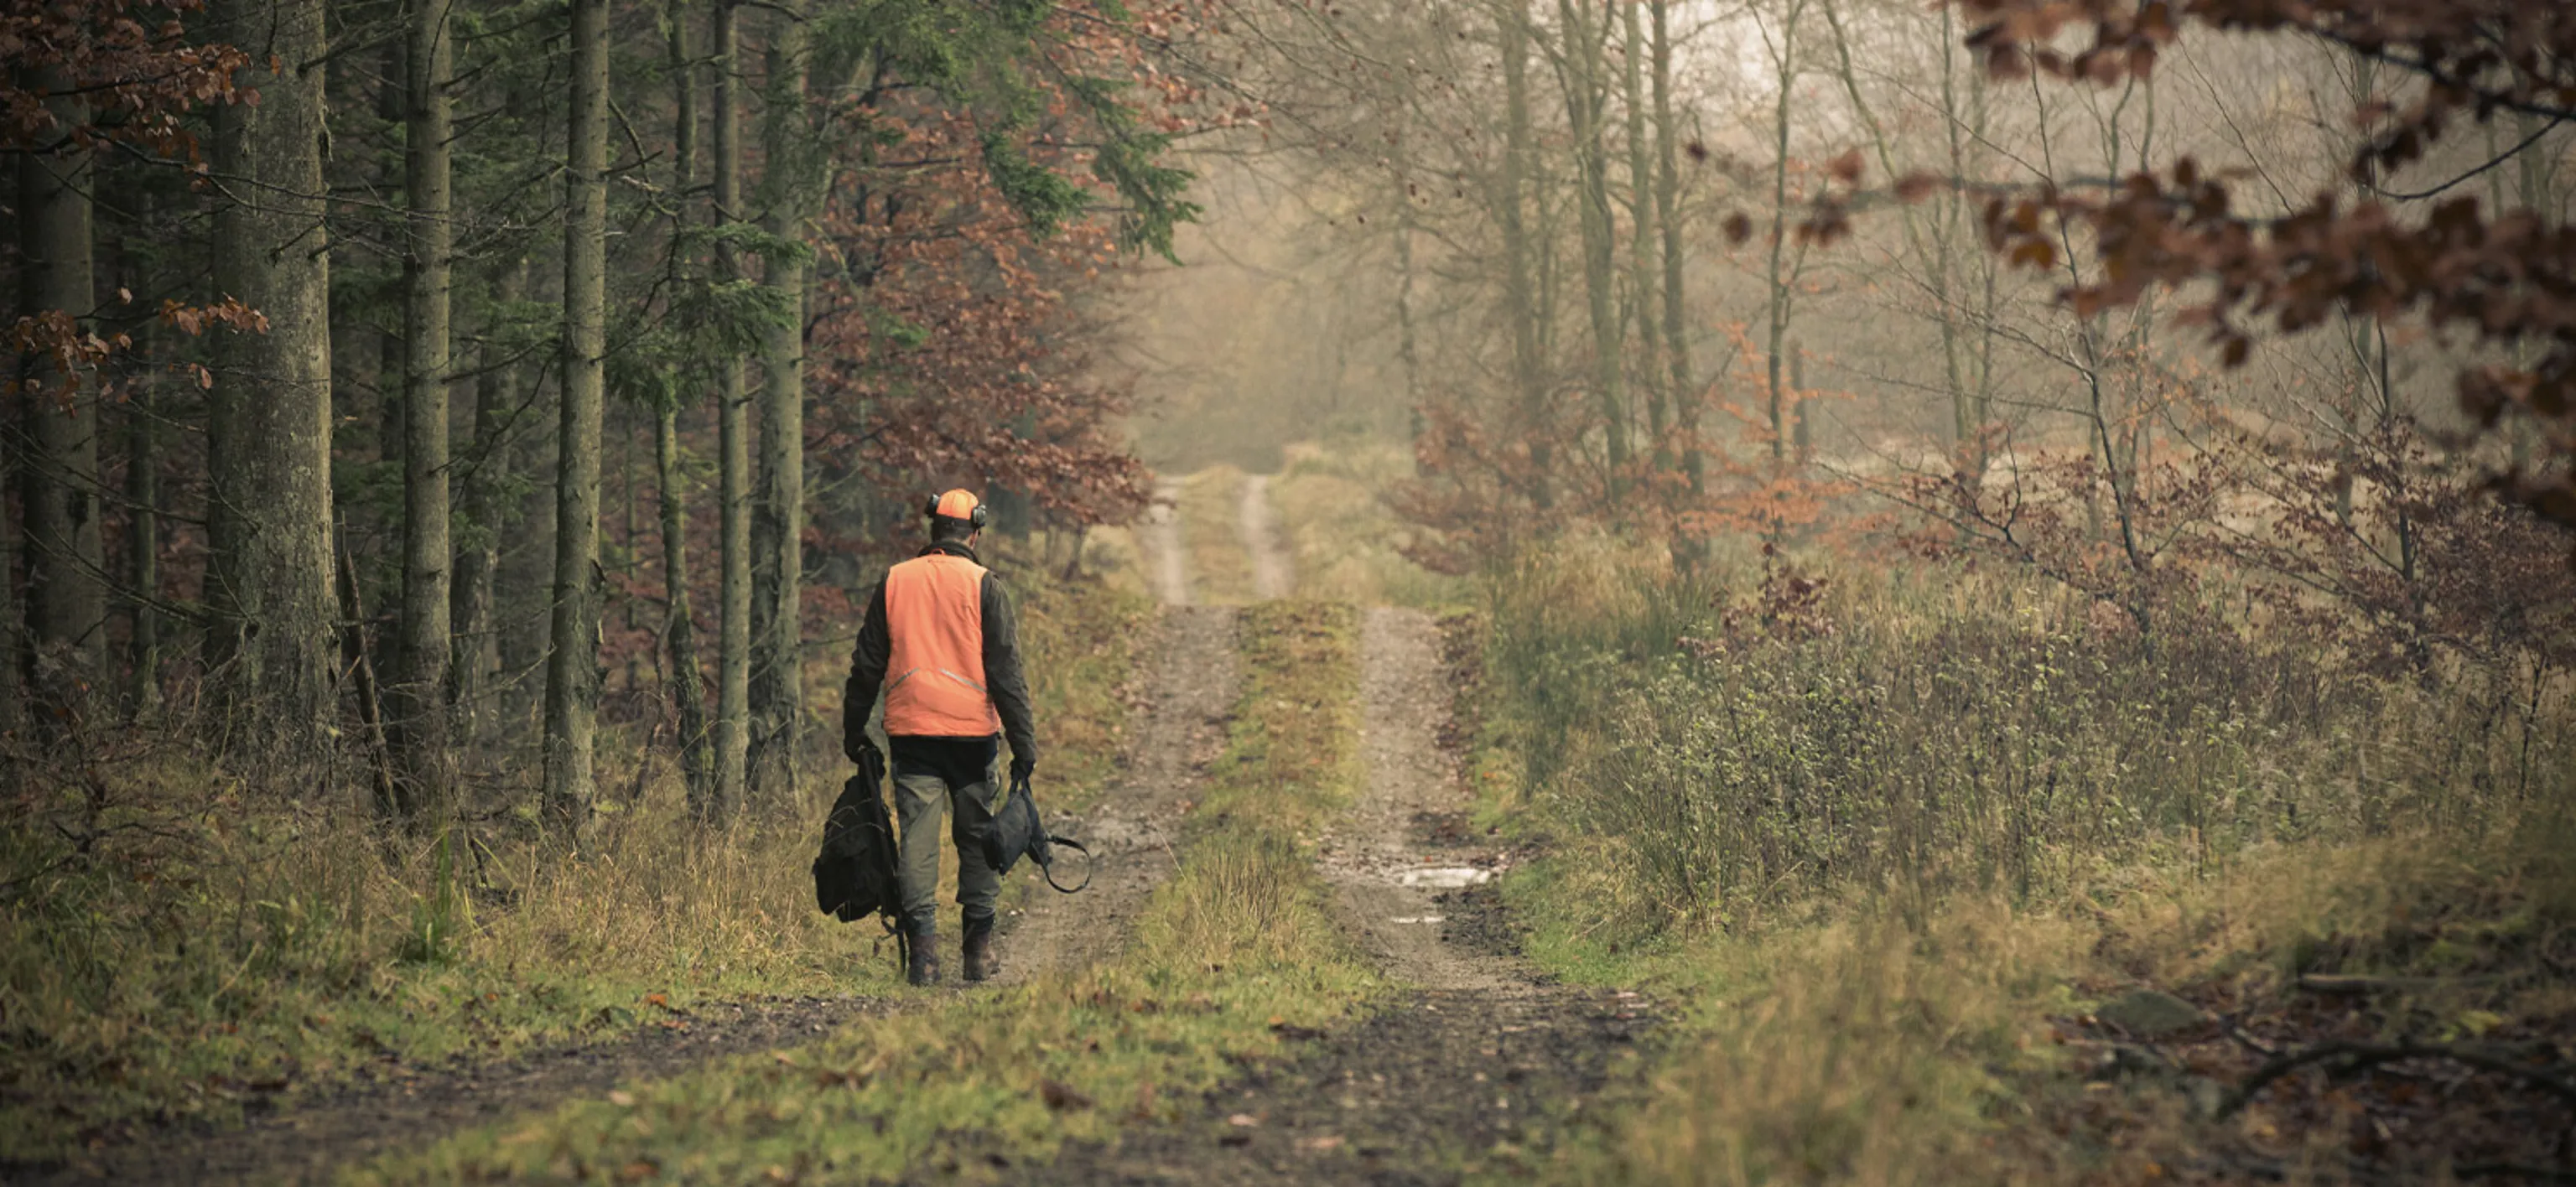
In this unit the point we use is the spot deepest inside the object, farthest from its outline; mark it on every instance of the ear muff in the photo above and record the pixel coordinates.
(975, 516)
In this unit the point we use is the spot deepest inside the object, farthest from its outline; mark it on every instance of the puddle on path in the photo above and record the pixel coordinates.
(1444, 877)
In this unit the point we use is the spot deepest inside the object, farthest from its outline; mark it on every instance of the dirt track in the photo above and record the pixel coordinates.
(1478, 1066)
(1159, 542)
(1272, 574)
(1132, 830)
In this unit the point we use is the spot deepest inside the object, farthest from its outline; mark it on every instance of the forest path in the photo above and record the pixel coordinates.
(1477, 1066)
(1272, 574)
(1159, 539)
(1190, 690)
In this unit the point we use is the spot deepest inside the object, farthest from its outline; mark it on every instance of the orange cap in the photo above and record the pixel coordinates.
(956, 504)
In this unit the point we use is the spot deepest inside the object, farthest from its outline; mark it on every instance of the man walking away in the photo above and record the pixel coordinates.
(942, 643)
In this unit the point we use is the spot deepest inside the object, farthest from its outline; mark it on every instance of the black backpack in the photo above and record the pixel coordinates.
(1017, 832)
(854, 875)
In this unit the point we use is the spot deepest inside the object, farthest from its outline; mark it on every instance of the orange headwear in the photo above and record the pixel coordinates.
(959, 504)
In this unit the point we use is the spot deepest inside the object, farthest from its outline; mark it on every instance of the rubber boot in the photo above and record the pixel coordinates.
(980, 965)
(924, 969)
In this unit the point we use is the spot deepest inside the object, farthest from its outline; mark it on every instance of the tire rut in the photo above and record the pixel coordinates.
(1132, 831)
(1158, 539)
(1272, 574)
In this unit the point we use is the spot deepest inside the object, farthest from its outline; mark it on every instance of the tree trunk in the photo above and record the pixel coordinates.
(688, 695)
(417, 728)
(268, 429)
(572, 667)
(1641, 241)
(1585, 102)
(733, 445)
(393, 346)
(777, 527)
(1668, 187)
(474, 613)
(1520, 300)
(679, 629)
(1778, 280)
(1804, 434)
(66, 558)
(143, 551)
(1408, 354)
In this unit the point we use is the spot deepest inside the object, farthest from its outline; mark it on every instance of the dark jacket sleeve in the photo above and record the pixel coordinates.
(1009, 685)
(867, 674)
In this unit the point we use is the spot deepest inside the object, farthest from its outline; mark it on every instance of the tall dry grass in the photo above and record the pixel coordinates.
(1710, 753)
(178, 941)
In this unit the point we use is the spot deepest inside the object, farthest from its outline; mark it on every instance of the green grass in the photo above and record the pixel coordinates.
(175, 944)
(1236, 943)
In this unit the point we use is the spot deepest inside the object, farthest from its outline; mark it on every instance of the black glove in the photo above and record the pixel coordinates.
(862, 751)
(1022, 766)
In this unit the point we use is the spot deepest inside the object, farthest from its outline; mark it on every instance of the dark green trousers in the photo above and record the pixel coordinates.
(966, 795)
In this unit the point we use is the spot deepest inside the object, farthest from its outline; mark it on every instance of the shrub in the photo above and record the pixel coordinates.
(1961, 735)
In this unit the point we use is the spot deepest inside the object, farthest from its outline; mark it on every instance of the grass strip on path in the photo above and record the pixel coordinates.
(1236, 947)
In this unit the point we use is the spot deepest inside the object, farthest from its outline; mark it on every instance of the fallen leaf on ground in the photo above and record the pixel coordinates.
(1243, 1120)
(1061, 1097)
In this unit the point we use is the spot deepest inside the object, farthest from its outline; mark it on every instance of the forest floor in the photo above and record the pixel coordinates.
(1133, 829)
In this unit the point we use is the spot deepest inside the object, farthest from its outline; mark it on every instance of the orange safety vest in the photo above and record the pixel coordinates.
(935, 671)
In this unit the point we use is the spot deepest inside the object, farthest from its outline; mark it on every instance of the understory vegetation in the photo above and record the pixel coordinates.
(1913, 844)
(1234, 951)
(177, 945)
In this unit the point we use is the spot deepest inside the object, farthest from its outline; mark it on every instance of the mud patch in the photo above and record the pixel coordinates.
(1473, 919)
(405, 1105)
(1439, 1086)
